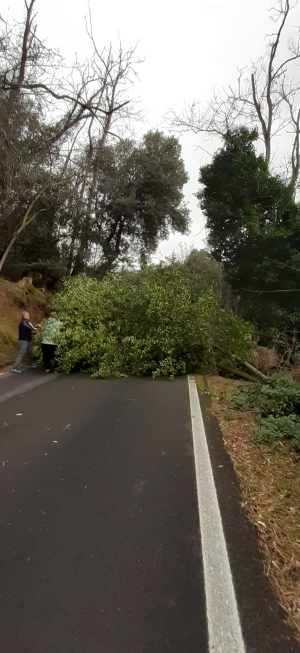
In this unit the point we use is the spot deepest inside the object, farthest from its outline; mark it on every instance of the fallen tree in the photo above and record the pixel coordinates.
(156, 321)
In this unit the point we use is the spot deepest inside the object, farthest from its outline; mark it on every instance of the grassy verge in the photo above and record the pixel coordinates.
(270, 484)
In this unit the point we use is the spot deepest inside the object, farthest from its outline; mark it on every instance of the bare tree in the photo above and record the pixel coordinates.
(40, 75)
(266, 97)
(119, 71)
(48, 112)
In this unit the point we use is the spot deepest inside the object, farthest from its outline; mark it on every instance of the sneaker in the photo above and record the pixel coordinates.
(15, 371)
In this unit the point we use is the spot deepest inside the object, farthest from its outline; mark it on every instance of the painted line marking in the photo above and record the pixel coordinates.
(224, 628)
(27, 386)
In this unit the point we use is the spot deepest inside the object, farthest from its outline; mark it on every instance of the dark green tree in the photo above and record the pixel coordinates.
(138, 200)
(40, 251)
(254, 230)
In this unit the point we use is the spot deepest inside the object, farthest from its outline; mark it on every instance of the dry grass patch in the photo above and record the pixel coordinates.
(270, 484)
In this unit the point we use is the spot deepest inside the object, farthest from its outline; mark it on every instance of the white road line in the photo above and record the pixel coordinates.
(224, 628)
(19, 390)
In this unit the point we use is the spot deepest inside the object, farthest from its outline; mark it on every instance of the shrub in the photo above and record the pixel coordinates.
(272, 429)
(240, 401)
(276, 406)
(280, 396)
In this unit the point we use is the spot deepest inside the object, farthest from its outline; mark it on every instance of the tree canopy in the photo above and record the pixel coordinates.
(137, 200)
(254, 230)
(76, 195)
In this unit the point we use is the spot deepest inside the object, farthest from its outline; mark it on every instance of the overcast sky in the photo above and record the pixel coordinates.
(190, 48)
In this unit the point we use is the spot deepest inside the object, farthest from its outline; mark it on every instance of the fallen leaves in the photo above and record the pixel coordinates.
(270, 485)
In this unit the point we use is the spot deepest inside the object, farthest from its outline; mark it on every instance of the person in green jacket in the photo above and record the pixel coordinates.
(51, 329)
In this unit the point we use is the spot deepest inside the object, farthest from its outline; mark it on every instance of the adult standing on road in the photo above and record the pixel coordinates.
(51, 329)
(25, 332)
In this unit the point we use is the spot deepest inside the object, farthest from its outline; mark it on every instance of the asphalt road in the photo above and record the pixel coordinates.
(100, 546)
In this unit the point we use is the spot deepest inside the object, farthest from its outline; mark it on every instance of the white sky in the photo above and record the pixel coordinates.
(190, 48)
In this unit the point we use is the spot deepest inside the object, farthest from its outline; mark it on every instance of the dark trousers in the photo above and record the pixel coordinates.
(48, 354)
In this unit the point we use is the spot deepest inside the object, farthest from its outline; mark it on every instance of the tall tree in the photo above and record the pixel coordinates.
(138, 199)
(254, 230)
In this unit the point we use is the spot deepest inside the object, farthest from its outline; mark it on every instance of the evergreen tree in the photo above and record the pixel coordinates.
(254, 229)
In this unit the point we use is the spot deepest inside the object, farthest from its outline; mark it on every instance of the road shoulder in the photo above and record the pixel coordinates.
(262, 618)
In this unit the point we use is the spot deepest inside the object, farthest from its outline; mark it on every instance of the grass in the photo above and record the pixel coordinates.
(270, 485)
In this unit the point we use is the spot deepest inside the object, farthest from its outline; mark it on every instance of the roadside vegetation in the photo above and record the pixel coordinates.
(275, 407)
(269, 478)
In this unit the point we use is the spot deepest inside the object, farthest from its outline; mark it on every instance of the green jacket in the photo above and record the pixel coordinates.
(51, 331)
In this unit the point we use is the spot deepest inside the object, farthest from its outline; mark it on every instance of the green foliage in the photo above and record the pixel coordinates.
(275, 429)
(38, 251)
(147, 322)
(138, 199)
(240, 401)
(276, 407)
(254, 229)
(280, 396)
(203, 269)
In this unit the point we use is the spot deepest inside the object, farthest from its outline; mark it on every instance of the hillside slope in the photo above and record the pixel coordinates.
(15, 298)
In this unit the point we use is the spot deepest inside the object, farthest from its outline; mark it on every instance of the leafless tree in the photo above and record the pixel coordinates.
(118, 70)
(266, 97)
(49, 112)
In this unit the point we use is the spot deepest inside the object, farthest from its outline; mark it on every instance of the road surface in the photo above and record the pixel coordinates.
(100, 545)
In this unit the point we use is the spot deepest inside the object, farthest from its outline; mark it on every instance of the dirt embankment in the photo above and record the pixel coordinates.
(15, 298)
